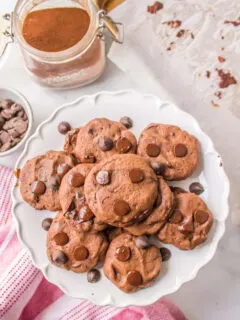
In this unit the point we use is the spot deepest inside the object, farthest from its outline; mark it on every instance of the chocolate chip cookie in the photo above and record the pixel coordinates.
(129, 267)
(172, 152)
(73, 202)
(121, 190)
(100, 139)
(189, 224)
(161, 211)
(77, 251)
(40, 179)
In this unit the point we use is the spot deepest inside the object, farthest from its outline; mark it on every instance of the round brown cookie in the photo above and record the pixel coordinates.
(128, 192)
(175, 150)
(40, 179)
(129, 267)
(69, 249)
(163, 208)
(189, 224)
(100, 138)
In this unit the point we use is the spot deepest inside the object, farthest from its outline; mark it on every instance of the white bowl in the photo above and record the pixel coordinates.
(9, 93)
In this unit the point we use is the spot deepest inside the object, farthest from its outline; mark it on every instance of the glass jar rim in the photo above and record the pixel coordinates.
(67, 54)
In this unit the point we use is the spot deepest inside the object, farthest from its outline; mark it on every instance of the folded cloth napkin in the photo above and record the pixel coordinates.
(26, 295)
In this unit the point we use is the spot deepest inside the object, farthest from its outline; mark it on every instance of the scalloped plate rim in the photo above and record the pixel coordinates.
(108, 300)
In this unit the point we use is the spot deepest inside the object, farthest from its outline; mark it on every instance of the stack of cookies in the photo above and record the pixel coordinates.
(111, 194)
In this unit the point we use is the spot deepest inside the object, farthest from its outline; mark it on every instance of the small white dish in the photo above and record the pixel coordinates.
(142, 109)
(12, 94)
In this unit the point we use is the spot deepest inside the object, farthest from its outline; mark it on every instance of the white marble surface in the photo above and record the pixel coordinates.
(215, 293)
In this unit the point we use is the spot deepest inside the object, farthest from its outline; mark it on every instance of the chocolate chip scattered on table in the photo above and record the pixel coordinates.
(13, 124)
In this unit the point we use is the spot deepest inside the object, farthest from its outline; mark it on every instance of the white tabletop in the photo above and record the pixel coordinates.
(215, 293)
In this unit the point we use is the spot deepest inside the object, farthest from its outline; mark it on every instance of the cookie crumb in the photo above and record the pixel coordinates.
(155, 7)
(215, 104)
(17, 173)
(174, 24)
(208, 74)
(180, 33)
(226, 79)
(234, 23)
(221, 59)
(218, 94)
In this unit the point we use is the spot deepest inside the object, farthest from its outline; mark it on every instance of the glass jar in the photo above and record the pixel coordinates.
(79, 65)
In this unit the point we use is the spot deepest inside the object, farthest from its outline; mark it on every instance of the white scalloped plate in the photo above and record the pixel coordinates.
(143, 109)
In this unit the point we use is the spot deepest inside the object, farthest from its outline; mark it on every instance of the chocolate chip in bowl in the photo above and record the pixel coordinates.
(15, 120)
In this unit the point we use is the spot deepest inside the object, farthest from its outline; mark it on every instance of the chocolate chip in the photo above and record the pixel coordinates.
(62, 169)
(136, 175)
(127, 122)
(142, 242)
(105, 144)
(64, 127)
(54, 183)
(123, 253)
(38, 188)
(59, 257)
(134, 278)
(61, 239)
(196, 188)
(76, 179)
(93, 275)
(123, 145)
(90, 132)
(7, 114)
(180, 150)
(2, 121)
(186, 227)
(85, 213)
(121, 208)
(46, 223)
(158, 168)
(177, 190)
(4, 137)
(153, 150)
(6, 103)
(81, 253)
(103, 177)
(89, 158)
(176, 217)
(165, 253)
(201, 216)
(15, 108)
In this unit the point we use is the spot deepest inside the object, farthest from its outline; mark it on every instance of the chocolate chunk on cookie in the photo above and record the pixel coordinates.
(160, 213)
(40, 179)
(173, 153)
(73, 202)
(100, 139)
(129, 267)
(130, 194)
(73, 250)
(189, 223)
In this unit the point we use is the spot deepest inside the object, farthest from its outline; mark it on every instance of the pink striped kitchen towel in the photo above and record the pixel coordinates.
(26, 295)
